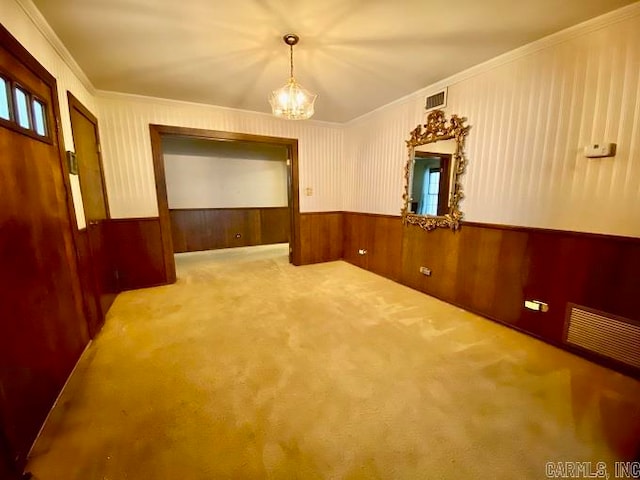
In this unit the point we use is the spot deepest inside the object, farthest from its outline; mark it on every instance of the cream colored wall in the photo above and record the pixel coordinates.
(21, 19)
(531, 111)
(196, 181)
(128, 165)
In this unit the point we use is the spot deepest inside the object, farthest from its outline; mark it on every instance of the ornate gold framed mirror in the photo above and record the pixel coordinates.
(436, 160)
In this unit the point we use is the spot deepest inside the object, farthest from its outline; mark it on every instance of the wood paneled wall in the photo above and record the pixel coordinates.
(90, 266)
(321, 237)
(115, 255)
(380, 236)
(135, 249)
(104, 267)
(492, 269)
(211, 228)
(487, 269)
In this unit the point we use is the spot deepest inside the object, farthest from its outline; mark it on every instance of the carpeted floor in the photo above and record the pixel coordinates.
(250, 368)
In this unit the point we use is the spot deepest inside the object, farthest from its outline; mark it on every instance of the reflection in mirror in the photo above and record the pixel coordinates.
(434, 165)
(431, 178)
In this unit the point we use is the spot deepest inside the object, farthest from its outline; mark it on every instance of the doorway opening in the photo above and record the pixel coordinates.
(233, 213)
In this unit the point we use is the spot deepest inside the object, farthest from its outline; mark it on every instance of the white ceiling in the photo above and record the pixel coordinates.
(356, 54)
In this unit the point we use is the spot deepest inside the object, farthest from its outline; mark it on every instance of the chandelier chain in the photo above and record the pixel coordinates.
(291, 61)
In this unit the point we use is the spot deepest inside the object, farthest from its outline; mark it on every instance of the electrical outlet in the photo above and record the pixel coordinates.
(536, 306)
(308, 191)
(425, 271)
(362, 251)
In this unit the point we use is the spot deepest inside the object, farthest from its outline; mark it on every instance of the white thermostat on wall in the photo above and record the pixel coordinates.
(598, 150)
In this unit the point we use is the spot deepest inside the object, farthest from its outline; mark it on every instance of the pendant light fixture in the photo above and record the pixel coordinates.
(291, 101)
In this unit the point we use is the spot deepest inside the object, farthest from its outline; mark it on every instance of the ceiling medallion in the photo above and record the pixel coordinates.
(291, 101)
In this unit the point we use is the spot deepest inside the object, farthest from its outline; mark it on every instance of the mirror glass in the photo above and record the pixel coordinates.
(431, 178)
(435, 163)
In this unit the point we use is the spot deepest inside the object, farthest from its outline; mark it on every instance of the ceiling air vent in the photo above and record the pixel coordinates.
(607, 335)
(437, 100)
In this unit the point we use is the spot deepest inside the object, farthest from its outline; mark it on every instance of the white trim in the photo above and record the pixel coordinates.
(584, 28)
(50, 35)
(111, 95)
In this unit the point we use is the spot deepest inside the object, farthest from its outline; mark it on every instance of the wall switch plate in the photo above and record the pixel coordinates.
(72, 162)
(599, 150)
(425, 271)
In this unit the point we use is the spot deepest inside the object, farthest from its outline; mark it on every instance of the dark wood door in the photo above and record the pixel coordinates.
(43, 330)
(7, 467)
(99, 272)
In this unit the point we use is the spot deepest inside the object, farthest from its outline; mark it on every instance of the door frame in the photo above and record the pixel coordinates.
(157, 132)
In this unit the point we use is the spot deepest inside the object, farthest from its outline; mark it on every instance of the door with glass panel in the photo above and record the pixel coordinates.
(43, 330)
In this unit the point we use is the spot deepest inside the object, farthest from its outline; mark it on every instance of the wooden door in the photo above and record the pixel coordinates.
(7, 468)
(43, 330)
(86, 140)
(99, 272)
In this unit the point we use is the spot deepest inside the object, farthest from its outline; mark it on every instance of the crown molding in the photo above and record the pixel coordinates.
(586, 27)
(50, 35)
(611, 18)
(111, 95)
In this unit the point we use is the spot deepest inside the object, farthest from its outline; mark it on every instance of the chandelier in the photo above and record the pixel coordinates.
(291, 101)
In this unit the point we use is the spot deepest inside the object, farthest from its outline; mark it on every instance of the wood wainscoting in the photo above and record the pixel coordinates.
(196, 229)
(135, 249)
(492, 269)
(486, 269)
(97, 275)
(321, 237)
(126, 254)
(379, 237)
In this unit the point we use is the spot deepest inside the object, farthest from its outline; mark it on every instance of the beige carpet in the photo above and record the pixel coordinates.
(250, 368)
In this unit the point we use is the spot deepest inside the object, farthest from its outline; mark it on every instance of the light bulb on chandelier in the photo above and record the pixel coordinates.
(291, 101)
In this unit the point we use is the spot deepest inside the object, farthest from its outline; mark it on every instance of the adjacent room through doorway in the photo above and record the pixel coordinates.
(225, 194)
(222, 190)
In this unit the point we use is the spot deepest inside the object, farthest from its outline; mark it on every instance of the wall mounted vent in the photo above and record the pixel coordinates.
(607, 335)
(437, 100)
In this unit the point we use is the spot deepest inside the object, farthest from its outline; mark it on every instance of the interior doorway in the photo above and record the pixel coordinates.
(98, 274)
(162, 135)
